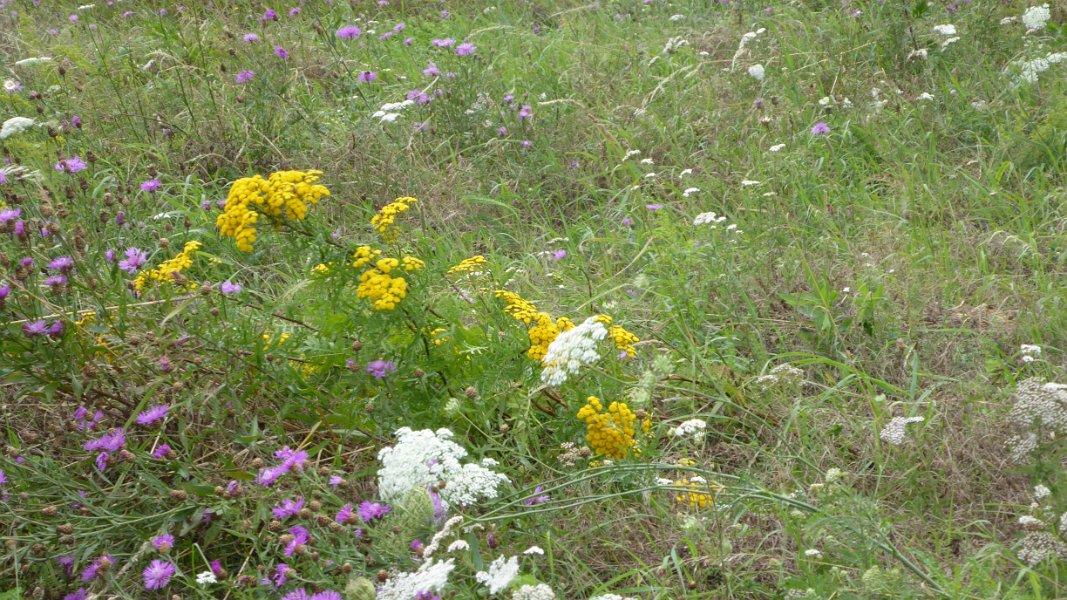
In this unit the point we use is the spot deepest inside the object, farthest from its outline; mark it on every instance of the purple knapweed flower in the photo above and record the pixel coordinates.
(83, 423)
(335, 480)
(281, 53)
(558, 254)
(35, 328)
(157, 574)
(820, 128)
(525, 112)
(431, 70)
(135, 257)
(345, 515)
(150, 185)
(288, 508)
(61, 264)
(268, 15)
(369, 511)
(443, 42)
(409, 41)
(55, 329)
(541, 499)
(380, 368)
(109, 442)
(152, 415)
(294, 11)
(244, 76)
(228, 288)
(67, 562)
(251, 37)
(73, 164)
(465, 49)
(161, 451)
(300, 535)
(367, 76)
(163, 542)
(653, 206)
(349, 32)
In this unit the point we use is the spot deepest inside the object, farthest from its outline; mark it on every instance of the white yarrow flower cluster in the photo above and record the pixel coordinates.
(500, 574)
(540, 591)
(421, 459)
(690, 191)
(690, 428)
(206, 578)
(1036, 17)
(15, 126)
(1039, 406)
(571, 350)
(756, 72)
(430, 577)
(894, 431)
(612, 597)
(1030, 70)
(390, 111)
(784, 373)
(1041, 492)
(945, 29)
(1030, 352)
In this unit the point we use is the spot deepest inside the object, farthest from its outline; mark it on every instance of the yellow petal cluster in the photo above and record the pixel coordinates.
(383, 290)
(697, 493)
(410, 263)
(383, 221)
(609, 433)
(543, 330)
(467, 265)
(283, 195)
(167, 269)
(363, 256)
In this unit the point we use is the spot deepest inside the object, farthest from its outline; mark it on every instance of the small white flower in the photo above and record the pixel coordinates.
(534, 550)
(945, 29)
(920, 54)
(86, 6)
(631, 153)
(813, 553)
(15, 126)
(824, 101)
(205, 578)
(685, 172)
(677, 17)
(1030, 350)
(708, 218)
(430, 577)
(690, 191)
(11, 86)
(690, 428)
(749, 182)
(646, 161)
(1030, 523)
(951, 40)
(501, 572)
(571, 350)
(926, 96)
(1008, 20)
(649, 175)
(1041, 492)
(894, 432)
(540, 591)
(756, 72)
(776, 147)
(458, 546)
(1036, 17)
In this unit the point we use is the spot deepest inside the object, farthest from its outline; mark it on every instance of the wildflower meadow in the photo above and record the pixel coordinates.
(533, 299)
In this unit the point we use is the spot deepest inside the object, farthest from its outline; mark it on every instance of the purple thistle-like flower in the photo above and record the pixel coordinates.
(135, 258)
(653, 206)
(369, 511)
(163, 542)
(67, 562)
(820, 128)
(281, 574)
(558, 254)
(427, 596)
(216, 567)
(161, 451)
(345, 515)
(380, 368)
(93, 569)
(335, 480)
(73, 164)
(526, 112)
(466, 48)
(55, 281)
(251, 37)
(541, 499)
(288, 508)
(55, 329)
(281, 53)
(399, 27)
(110, 442)
(35, 328)
(349, 32)
(300, 537)
(326, 595)
(292, 458)
(385, 36)
(443, 42)
(9, 215)
(245, 75)
(153, 414)
(416, 545)
(81, 594)
(232, 487)
(439, 510)
(367, 76)
(109, 255)
(297, 594)
(150, 185)
(3, 477)
(409, 41)
(431, 70)
(61, 263)
(294, 11)
(157, 574)
(229, 288)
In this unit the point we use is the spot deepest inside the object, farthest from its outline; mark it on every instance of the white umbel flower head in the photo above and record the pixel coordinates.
(756, 72)
(421, 459)
(690, 191)
(690, 428)
(206, 578)
(540, 591)
(894, 431)
(430, 577)
(1036, 17)
(500, 574)
(612, 597)
(15, 126)
(571, 350)
(945, 29)
(708, 218)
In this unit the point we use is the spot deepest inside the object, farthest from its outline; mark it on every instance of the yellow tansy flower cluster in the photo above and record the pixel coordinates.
(467, 265)
(383, 221)
(167, 269)
(610, 433)
(543, 329)
(283, 195)
(377, 283)
(624, 340)
(268, 340)
(697, 493)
